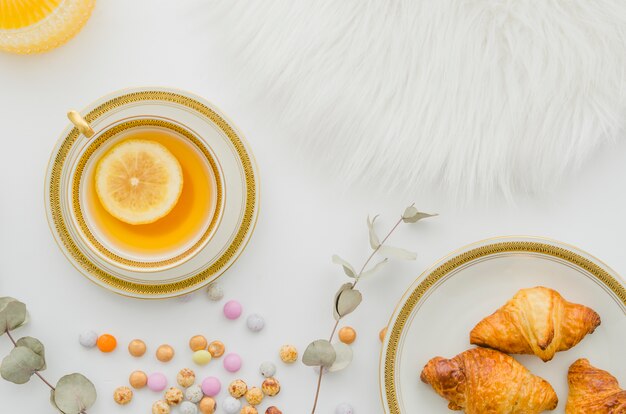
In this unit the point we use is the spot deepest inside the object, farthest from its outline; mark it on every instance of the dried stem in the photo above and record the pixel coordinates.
(36, 372)
(357, 278)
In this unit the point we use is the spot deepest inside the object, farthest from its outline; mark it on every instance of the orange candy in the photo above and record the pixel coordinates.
(107, 343)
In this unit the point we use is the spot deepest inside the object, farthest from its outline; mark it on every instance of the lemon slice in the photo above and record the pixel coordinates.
(138, 181)
(33, 26)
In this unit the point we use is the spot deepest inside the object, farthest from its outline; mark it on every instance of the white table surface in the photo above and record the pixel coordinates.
(285, 274)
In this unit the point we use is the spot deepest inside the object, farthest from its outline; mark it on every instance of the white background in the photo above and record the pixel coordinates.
(285, 274)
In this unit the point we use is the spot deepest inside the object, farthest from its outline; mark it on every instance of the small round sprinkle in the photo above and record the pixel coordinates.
(186, 377)
(211, 386)
(273, 410)
(267, 369)
(123, 395)
(347, 335)
(232, 362)
(216, 349)
(254, 396)
(215, 292)
(271, 387)
(248, 409)
(138, 379)
(201, 357)
(232, 309)
(237, 388)
(198, 343)
(188, 408)
(207, 405)
(157, 382)
(194, 393)
(231, 405)
(255, 322)
(288, 354)
(137, 348)
(344, 408)
(88, 339)
(160, 407)
(165, 353)
(174, 396)
(382, 333)
(107, 343)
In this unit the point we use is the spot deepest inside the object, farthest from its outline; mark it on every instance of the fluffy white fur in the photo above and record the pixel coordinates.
(472, 96)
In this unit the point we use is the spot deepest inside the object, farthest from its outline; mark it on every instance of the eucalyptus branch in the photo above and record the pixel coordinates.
(330, 357)
(36, 372)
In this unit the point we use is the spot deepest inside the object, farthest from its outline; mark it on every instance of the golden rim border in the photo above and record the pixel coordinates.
(457, 261)
(117, 129)
(132, 288)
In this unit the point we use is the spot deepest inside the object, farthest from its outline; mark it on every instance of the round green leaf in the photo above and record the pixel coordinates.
(343, 287)
(348, 301)
(74, 393)
(20, 365)
(53, 403)
(12, 314)
(34, 345)
(343, 359)
(319, 353)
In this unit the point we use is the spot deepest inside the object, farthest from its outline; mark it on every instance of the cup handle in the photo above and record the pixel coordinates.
(80, 123)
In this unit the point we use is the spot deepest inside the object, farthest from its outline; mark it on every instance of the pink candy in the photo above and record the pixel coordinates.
(232, 309)
(232, 362)
(211, 386)
(157, 382)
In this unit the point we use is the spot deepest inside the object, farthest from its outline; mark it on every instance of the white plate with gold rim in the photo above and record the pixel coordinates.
(437, 312)
(231, 177)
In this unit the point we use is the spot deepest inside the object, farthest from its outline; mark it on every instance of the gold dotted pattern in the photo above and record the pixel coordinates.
(118, 284)
(80, 172)
(462, 259)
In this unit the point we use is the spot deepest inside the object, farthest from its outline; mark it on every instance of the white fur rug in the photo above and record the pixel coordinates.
(477, 97)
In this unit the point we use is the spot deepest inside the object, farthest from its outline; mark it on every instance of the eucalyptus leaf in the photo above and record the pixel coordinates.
(347, 267)
(348, 301)
(391, 252)
(12, 314)
(413, 215)
(74, 393)
(374, 240)
(319, 353)
(20, 365)
(34, 345)
(344, 357)
(54, 405)
(374, 269)
(343, 287)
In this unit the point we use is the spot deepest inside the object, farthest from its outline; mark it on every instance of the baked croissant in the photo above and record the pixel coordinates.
(593, 391)
(535, 321)
(484, 381)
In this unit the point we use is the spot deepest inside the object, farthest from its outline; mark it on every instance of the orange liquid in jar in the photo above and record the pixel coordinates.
(182, 226)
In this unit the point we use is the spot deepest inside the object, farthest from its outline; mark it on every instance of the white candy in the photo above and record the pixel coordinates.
(231, 405)
(267, 369)
(88, 339)
(194, 393)
(188, 408)
(255, 322)
(215, 292)
(344, 408)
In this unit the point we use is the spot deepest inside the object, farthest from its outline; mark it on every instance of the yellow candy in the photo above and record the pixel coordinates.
(202, 357)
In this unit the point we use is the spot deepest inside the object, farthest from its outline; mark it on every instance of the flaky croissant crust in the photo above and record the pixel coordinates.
(535, 321)
(593, 391)
(484, 381)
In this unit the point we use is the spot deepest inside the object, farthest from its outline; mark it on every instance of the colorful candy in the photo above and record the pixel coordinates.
(138, 379)
(382, 333)
(137, 348)
(107, 343)
(288, 354)
(347, 335)
(215, 292)
(267, 369)
(122, 395)
(344, 408)
(231, 405)
(237, 388)
(254, 396)
(188, 408)
(232, 309)
(271, 387)
(248, 409)
(174, 396)
(255, 323)
(186, 377)
(207, 405)
(211, 386)
(273, 410)
(201, 357)
(165, 353)
(216, 349)
(198, 343)
(88, 339)
(157, 382)
(160, 407)
(194, 393)
(232, 362)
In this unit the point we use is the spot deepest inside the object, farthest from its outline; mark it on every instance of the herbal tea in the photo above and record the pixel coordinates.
(177, 225)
